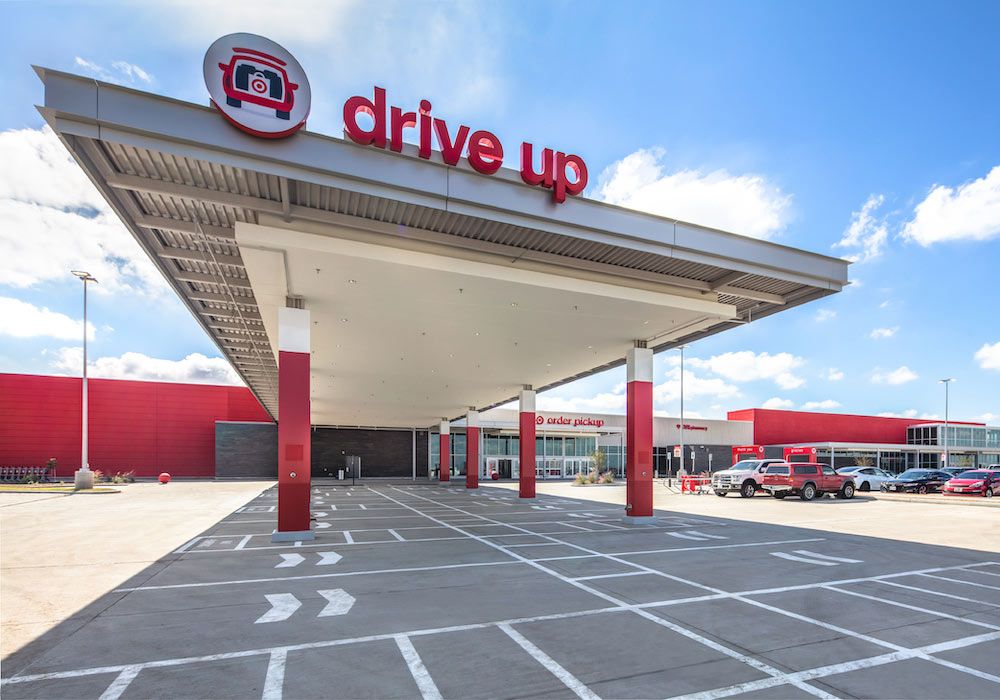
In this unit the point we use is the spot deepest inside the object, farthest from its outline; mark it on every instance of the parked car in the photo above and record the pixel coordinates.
(807, 480)
(745, 477)
(917, 481)
(954, 471)
(980, 482)
(866, 478)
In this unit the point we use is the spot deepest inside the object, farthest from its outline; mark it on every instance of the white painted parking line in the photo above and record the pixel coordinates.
(305, 577)
(770, 543)
(243, 542)
(683, 536)
(817, 555)
(274, 682)
(347, 537)
(907, 606)
(629, 573)
(696, 535)
(792, 557)
(396, 535)
(690, 634)
(958, 580)
(550, 664)
(939, 593)
(121, 683)
(428, 689)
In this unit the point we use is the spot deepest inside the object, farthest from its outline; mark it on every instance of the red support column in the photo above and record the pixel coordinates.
(639, 435)
(444, 472)
(526, 451)
(472, 450)
(294, 421)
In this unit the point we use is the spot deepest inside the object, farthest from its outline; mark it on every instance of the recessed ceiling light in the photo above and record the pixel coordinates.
(477, 332)
(352, 281)
(590, 347)
(513, 304)
(343, 320)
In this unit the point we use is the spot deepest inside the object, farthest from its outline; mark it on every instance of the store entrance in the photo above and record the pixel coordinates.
(505, 467)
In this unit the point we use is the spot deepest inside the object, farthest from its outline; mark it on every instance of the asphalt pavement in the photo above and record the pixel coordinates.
(414, 590)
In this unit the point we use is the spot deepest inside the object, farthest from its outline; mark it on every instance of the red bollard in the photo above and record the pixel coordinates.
(164, 478)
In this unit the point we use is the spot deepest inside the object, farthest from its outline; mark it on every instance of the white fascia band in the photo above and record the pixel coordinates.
(293, 330)
(527, 401)
(639, 365)
(445, 428)
(472, 419)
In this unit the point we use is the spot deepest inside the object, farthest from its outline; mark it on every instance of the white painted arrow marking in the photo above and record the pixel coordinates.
(339, 602)
(327, 558)
(282, 607)
(289, 560)
(322, 526)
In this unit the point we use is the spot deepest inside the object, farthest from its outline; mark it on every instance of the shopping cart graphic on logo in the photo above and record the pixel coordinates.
(260, 79)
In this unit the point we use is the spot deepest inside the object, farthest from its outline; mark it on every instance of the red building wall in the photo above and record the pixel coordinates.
(146, 426)
(772, 427)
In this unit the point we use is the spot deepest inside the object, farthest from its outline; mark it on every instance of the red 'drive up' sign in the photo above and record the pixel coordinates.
(563, 174)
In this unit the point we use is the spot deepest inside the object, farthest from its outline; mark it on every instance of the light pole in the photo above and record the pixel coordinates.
(84, 478)
(680, 471)
(947, 452)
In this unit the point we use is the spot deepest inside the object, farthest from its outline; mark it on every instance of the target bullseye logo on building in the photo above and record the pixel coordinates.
(257, 85)
(260, 88)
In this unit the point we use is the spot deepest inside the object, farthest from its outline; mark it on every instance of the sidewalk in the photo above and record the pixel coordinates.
(63, 552)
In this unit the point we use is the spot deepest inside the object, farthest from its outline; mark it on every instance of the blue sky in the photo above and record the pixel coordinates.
(874, 125)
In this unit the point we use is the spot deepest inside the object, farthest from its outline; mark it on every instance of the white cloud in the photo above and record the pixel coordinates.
(989, 418)
(883, 333)
(778, 403)
(62, 222)
(885, 304)
(825, 315)
(121, 72)
(988, 356)
(20, 319)
(898, 376)
(868, 233)
(834, 375)
(908, 413)
(747, 366)
(752, 205)
(303, 21)
(694, 387)
(195, 368)
(601, 403)
(825, 405)
(970, 211)
(407, 45)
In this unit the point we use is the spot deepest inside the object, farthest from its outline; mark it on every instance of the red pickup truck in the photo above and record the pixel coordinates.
(807, 480)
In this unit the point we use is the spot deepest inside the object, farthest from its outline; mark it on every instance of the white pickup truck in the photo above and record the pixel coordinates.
(745, 477)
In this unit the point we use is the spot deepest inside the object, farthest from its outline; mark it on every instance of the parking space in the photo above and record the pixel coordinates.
(423, 590)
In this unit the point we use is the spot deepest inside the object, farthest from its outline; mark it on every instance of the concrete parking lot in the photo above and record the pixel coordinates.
(423, 590)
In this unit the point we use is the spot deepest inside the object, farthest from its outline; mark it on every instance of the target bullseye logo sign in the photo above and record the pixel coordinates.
(260, 88)
(257, 85)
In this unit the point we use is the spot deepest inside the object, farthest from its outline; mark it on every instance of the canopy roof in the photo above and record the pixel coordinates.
(479, 283)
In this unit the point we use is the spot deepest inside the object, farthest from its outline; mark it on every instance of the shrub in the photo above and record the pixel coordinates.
(608, 477)
(592, 477)
(98, 475)
(580, 479)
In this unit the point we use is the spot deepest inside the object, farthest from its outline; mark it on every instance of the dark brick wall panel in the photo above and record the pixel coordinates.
(383, 452)
(246, 450)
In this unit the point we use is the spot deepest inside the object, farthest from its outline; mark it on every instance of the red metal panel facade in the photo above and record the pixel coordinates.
(772, 427)
(148, 427)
